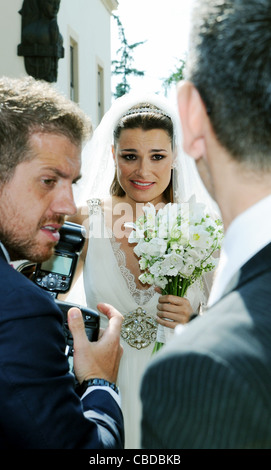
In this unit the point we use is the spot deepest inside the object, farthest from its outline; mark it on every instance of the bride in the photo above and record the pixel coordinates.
(134, 157)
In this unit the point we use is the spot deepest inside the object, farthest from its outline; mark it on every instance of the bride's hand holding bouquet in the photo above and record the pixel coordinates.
(175, 247)
(173, 310)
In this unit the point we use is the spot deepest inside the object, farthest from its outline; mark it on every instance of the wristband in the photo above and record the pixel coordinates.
(102, 383)
(97, 383)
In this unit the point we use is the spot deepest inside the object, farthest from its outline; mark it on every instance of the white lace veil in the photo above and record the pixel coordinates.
(98, 166)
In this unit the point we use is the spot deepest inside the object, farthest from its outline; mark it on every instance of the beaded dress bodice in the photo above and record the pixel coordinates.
(107, 271)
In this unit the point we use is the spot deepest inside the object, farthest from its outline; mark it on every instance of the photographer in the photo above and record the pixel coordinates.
(41, 134)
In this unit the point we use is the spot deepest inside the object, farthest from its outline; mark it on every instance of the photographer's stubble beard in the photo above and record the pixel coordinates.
(21, 238)
(22, 247)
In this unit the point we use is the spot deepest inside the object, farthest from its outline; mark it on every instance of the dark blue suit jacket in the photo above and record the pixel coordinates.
(210, 388)
(39, 407)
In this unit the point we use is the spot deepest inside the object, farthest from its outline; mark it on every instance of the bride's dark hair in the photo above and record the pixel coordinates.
(147, 117)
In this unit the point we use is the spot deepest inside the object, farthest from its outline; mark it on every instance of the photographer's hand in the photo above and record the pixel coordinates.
(98, 359)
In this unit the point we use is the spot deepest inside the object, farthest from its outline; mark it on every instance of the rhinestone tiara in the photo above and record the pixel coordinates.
(144, 111)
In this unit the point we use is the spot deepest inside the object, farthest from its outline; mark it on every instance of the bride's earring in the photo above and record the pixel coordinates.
(174, 163)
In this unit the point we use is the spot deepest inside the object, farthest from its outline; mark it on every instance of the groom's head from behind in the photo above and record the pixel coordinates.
(225, 105)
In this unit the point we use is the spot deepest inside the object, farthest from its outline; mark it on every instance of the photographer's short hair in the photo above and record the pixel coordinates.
(28, 106)
(230, 65)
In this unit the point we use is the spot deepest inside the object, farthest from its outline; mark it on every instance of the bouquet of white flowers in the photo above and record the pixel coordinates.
(175, 245)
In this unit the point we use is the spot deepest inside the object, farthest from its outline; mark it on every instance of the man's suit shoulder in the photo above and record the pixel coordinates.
(236, 331)
(19, 294)
(218, 364)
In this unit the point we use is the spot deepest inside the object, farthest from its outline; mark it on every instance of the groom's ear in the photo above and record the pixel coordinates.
(192, 113)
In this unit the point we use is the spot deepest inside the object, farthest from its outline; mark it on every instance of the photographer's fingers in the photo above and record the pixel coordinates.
(111, 338)
(99, 358)
(109, 311)
(114, 316)
(77, 326)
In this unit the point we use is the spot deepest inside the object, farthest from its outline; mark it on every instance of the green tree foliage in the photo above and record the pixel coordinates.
(176, 76)
(123, 67)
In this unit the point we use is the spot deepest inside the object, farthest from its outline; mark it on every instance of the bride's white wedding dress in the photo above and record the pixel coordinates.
(106, 275)
(107, 279)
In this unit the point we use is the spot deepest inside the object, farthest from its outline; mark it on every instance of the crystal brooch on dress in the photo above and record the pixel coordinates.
(138, 329)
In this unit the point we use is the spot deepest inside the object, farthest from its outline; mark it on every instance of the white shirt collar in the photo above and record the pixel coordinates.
(5, 252)
(246, 235)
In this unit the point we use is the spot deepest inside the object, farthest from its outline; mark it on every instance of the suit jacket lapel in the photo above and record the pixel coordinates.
(2, 255)
(256, 265)
(232, 285)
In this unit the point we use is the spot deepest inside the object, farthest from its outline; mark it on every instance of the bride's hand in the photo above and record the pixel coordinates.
(173, 310)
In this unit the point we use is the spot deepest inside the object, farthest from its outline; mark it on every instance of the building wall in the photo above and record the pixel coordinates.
(10, 36)
(84, 24)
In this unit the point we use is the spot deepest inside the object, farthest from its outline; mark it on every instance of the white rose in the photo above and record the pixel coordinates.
(146, 278)
(143, 263)
(187, 270)
(156, 247)
(199, 237)
(160, 281)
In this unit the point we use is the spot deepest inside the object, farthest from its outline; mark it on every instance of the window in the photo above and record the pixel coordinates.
(74, 89)
(100, 93)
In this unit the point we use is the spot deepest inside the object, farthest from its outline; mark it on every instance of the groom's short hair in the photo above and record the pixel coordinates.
(230, 65)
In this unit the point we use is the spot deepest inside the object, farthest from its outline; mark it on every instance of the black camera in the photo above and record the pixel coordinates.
(91, 320)
(56, 275)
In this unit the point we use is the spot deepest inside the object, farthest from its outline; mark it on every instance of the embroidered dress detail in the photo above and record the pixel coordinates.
(141, 296)
(139, 329)
(94, 205)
